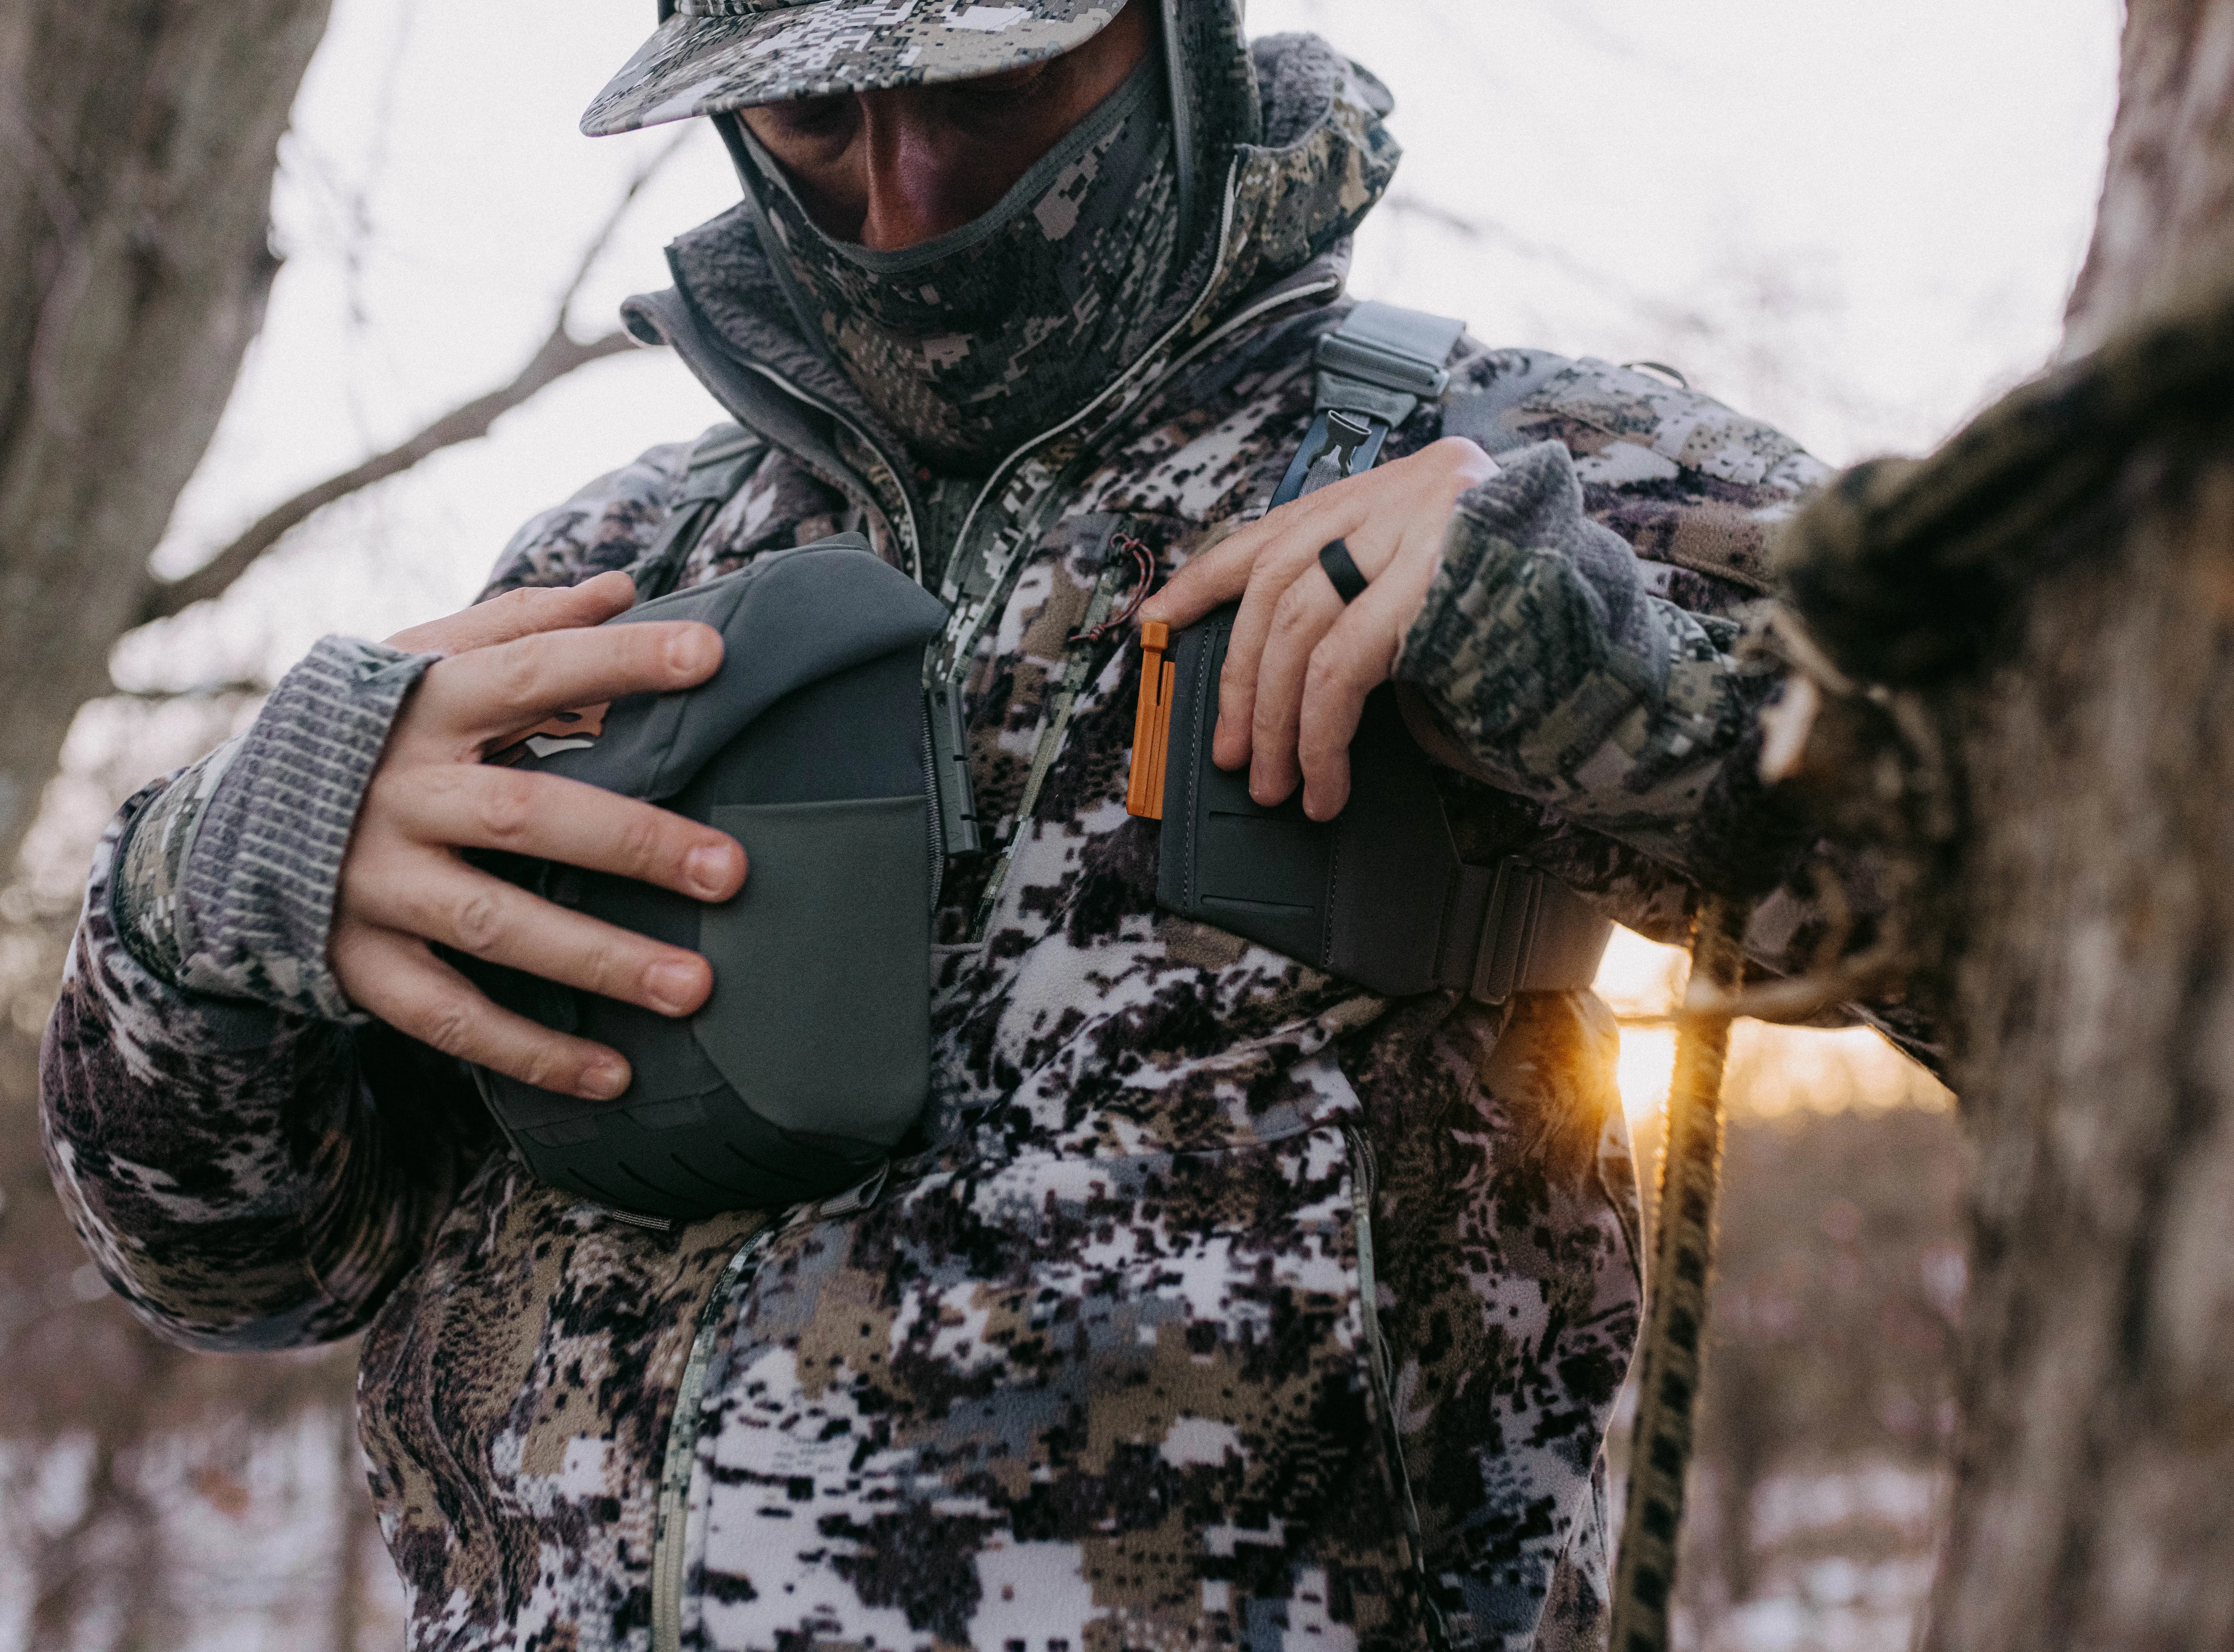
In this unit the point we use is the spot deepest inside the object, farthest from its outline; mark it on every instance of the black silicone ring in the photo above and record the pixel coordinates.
(1342, 569)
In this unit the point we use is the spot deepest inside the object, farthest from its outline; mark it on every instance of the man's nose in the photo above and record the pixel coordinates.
(920, 179)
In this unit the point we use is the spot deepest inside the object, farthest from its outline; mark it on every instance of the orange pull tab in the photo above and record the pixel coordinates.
(1152, 724)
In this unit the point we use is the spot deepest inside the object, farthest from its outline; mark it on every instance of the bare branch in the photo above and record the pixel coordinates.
(1419, 209)
(557, 356)
(237, 688)
(644, 174)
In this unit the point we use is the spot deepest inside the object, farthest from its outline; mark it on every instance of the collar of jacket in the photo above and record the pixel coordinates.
(1279, 239)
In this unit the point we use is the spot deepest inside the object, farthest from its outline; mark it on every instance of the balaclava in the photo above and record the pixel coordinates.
(977, 343)
(974, 343)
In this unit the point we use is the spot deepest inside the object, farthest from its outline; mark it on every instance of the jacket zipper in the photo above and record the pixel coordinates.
(681, 1454)
(930, 784)
(912, 531)
(1364, 1179)
(1380, 1364)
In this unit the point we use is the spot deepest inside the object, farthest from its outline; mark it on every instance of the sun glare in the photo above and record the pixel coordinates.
(1771, 1069)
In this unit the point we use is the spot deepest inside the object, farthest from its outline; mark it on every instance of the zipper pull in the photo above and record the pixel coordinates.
(1152, 724)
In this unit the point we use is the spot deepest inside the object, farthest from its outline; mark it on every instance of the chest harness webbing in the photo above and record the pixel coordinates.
(1379, 895)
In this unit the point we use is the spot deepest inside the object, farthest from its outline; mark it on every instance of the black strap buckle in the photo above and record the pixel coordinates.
(1353, 438)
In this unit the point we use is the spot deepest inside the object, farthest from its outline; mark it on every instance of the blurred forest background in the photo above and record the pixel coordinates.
(1859, 223)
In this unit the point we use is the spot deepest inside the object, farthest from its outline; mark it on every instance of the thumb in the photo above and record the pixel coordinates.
(521, 613)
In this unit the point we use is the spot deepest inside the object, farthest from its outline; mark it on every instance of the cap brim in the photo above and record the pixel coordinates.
(704, 65)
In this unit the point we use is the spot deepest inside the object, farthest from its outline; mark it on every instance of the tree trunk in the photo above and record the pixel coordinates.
(2167, 211)
(2094, 984)
(138, 139)
(2024, 649)
(2095, 1490)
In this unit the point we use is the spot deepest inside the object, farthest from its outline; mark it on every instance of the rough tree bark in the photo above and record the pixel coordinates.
(2167, 211)
(2050, 601)
(2095, 984)
(138, 141)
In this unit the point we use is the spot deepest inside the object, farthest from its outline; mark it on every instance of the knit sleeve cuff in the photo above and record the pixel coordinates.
(230, 877)
(1536, 640)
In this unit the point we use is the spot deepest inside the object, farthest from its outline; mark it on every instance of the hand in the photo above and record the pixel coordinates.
(1300, 663)
(508, 664)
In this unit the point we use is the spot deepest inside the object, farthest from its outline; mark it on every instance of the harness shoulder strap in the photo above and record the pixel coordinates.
(1384, 362)
(1487, 931)
(1372, 372)
(719, 461)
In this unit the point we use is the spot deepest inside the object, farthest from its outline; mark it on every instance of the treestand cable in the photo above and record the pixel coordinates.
(1675, 1316)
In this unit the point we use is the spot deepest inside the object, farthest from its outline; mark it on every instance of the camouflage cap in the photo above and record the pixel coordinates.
(716, 54)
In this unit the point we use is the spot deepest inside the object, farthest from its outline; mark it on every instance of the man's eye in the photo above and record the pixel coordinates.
(811, 116)
(1004, 91)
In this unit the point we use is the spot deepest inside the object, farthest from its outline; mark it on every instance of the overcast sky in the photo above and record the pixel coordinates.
(1858, 221)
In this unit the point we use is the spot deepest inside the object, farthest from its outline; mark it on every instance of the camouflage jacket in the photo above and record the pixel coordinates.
(1225, 1303)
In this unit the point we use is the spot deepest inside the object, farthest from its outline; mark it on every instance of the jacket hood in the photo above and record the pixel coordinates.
(1297, 154)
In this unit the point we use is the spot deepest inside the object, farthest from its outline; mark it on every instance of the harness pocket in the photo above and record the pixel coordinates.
(820, 1017)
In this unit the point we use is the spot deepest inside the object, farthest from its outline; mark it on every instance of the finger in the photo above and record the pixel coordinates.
(1216, 576)
(1306, 611)
(1292, 557)
(497, 690)
(473, 806)
(1222, 573)
(1354, 657)
(521, 613)
(396, 978)
(437, 898)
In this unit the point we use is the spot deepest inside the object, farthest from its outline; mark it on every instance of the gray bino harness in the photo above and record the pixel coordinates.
(819, 748)
(811, 747)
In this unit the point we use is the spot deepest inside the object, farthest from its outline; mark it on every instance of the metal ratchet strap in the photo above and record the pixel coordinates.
(1678, 1302)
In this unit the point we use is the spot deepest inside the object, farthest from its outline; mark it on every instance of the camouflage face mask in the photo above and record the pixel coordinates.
(974, 343)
